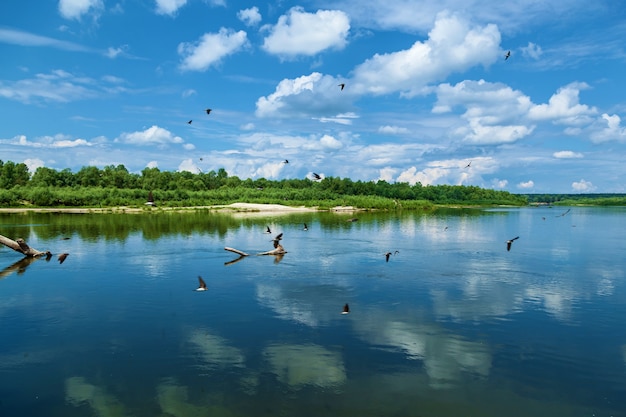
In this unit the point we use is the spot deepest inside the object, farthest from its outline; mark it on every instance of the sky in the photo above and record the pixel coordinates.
(429, 95)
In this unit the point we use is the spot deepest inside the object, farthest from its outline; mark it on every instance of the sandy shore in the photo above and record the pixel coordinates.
(249, 209)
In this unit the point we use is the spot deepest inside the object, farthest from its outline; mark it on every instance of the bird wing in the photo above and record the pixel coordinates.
(201, 282)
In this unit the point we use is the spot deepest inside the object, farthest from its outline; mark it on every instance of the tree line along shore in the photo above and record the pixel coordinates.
(115, 186)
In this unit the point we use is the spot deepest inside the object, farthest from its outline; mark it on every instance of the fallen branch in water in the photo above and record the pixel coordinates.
(20, 246)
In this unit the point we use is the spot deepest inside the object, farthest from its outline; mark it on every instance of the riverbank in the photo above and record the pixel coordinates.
(235, 208)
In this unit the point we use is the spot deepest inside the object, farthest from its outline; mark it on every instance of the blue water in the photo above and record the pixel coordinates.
(453, 325)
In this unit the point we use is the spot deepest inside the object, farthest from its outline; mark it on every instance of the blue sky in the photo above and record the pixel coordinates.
(427, 89)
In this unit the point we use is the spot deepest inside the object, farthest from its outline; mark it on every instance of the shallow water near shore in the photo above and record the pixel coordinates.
(452, 325)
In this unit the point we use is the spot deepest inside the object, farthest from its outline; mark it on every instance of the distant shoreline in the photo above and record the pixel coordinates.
(235, 208)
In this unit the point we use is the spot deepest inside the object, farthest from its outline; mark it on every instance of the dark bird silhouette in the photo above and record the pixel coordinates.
(268, 230)
(469, 164)
(65, 238)
(305, 227)
(510, 242)
(201, 284)
(508, 54)
(63, 257)
(346, 309)
(564, 213)
(387, 255)
(342, 85)
(208, 111)
(316, 176)
(286, 161)
(189, 122)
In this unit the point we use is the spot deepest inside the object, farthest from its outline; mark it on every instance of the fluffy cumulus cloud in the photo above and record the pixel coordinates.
(493, 111)
(532, 51)
(609, 128)
(75, 9)
(300, 96)
(453, 45)
(582, 186)
(33, 164)
(567, 155)
(301, 33)
(250, 17)
(151, 136)
(169, 7)
(210, 49)
(564, 107)
(526, 185)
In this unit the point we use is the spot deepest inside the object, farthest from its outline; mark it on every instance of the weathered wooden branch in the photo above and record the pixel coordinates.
(238, 252)
(20, 246)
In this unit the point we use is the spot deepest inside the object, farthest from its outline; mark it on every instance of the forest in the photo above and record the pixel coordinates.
(115, 186)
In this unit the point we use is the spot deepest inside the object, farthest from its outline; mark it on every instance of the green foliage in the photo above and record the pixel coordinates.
(115, 186)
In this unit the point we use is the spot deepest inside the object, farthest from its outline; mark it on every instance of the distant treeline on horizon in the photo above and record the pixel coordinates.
(115, 185)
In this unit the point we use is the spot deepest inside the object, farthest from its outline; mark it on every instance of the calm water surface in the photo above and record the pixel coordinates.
(452, 325)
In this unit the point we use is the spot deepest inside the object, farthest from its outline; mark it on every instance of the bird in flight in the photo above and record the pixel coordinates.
(268, 231)
(277, 239)
(346, 309)
(208, 111)
(189, 122)
(508, 54)
(564, 213)
(201, 284)
(342, 85)
(387, 255)
(510, 242)
(63, 257)
(286, 161)
(469, 164)
(305, 227)
(316, 176)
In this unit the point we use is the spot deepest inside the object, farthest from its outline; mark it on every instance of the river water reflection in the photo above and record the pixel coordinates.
(452, 325)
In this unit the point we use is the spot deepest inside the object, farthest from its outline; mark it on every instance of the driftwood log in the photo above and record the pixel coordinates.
(278, 250)
(20, 246)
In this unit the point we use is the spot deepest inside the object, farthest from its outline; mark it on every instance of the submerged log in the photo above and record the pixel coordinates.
(22, 247)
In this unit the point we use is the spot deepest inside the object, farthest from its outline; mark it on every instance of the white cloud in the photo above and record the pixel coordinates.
(532, 51)
(452, 46)
(250, 17)
(115, 52)
(210, 49)
(564, 107)
(152, 135)
(567, 154)
(610, 129)
(330, 143)
(189, 92)
(188, 165)
(152, 164)
(499, 184)
(302, 33)
(56, 141)
(33, 164)
(526, 185)
(57, 86)
(75, 9)
(18, 37)
(247, 126)
(582, 186)
(169, 7)
(342, 118)
(393, 130)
